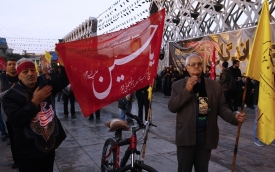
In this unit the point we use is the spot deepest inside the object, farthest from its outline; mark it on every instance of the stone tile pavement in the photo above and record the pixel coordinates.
(81, 151)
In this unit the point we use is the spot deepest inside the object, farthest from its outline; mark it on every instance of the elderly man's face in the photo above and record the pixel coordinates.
(194, 66)
(28, 77)
(11, 67)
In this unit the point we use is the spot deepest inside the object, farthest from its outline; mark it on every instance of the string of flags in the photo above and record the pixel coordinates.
(126, 11)
(35, 45)
(120, 15)
(30, 39)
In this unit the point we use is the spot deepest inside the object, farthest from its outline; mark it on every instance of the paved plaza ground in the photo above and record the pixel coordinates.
(81, 151)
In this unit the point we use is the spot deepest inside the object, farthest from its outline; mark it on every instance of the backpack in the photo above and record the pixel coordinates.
(122, 103)
(231, 81)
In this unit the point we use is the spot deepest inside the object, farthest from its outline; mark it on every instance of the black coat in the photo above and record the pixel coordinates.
(34, 136)
(140, 93)
(224, 79)
(7, 81)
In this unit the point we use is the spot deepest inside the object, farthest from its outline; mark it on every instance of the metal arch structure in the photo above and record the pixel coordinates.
(121, 14)
(85, 30)
(187, 19)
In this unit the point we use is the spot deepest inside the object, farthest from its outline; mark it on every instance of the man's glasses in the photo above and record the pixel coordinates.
(199, 64)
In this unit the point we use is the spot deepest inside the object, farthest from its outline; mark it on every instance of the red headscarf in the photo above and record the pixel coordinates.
(24, 65)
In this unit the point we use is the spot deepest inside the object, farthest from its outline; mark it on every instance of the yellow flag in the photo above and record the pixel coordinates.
(48, 56)
(36, 65)
(260, 68)
(150, 90)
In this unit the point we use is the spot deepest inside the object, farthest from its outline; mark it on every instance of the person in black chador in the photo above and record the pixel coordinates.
(97, 114)
(68, 95)
(167, 82)
(207, 72)
(29, 108)
(162, 73)
(8, 79)
(236, 94)
(142, 98)
(249, 92)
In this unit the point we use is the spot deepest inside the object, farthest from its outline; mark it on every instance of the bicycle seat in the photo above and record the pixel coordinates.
(117, 124)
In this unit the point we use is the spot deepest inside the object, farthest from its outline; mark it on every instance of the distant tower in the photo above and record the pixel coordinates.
(3, 46)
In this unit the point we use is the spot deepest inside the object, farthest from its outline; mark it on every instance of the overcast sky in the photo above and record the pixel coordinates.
(35, 20)
(49, 19)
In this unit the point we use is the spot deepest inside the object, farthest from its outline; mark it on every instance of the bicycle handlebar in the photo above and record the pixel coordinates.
(141, 125)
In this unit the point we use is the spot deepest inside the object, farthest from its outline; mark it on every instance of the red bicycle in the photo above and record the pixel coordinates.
(111, 150)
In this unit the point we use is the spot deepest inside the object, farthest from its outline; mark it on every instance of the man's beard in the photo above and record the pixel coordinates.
(13, 72)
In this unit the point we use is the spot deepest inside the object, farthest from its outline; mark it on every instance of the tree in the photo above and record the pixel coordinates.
(15, 56)
(25, 54)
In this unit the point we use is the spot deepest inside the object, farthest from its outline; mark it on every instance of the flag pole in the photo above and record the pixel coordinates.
(239, 129)
(149, 119)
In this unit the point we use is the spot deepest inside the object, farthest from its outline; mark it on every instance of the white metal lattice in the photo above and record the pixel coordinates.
(187, 19)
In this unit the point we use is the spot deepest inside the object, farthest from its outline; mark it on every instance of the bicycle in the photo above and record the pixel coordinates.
(111, 150)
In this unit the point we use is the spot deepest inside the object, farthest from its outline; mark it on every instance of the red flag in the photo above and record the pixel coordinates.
(106, 68)
(213, 65)
(3, 63)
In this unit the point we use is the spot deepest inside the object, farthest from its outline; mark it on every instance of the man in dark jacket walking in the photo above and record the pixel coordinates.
(8, 79)
(142, 98)
(224, 81)
(236, 94)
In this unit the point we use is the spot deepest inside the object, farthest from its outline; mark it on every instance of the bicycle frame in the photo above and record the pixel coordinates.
(116, 142)
(131, 150)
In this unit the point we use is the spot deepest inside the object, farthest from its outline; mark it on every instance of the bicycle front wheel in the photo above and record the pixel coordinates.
(108, 163)
(138, 168)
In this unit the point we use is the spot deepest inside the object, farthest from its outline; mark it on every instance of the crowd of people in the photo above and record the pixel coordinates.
(233, 94)
(233, 88)
(166, 77)
(196, 128)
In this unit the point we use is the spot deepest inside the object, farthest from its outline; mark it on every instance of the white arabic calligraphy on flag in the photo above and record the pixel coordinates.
(105, 68)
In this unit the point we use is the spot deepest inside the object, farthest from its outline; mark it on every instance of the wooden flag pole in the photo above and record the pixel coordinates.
(239, 130)
(149, 119)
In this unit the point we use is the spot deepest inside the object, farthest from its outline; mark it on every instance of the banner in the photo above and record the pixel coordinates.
(105, 68)
(261, 68)
(229, 46)
(213, 66)
(3, 63)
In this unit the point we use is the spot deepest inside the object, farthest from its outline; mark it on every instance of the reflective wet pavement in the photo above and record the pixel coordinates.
(81, 151)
